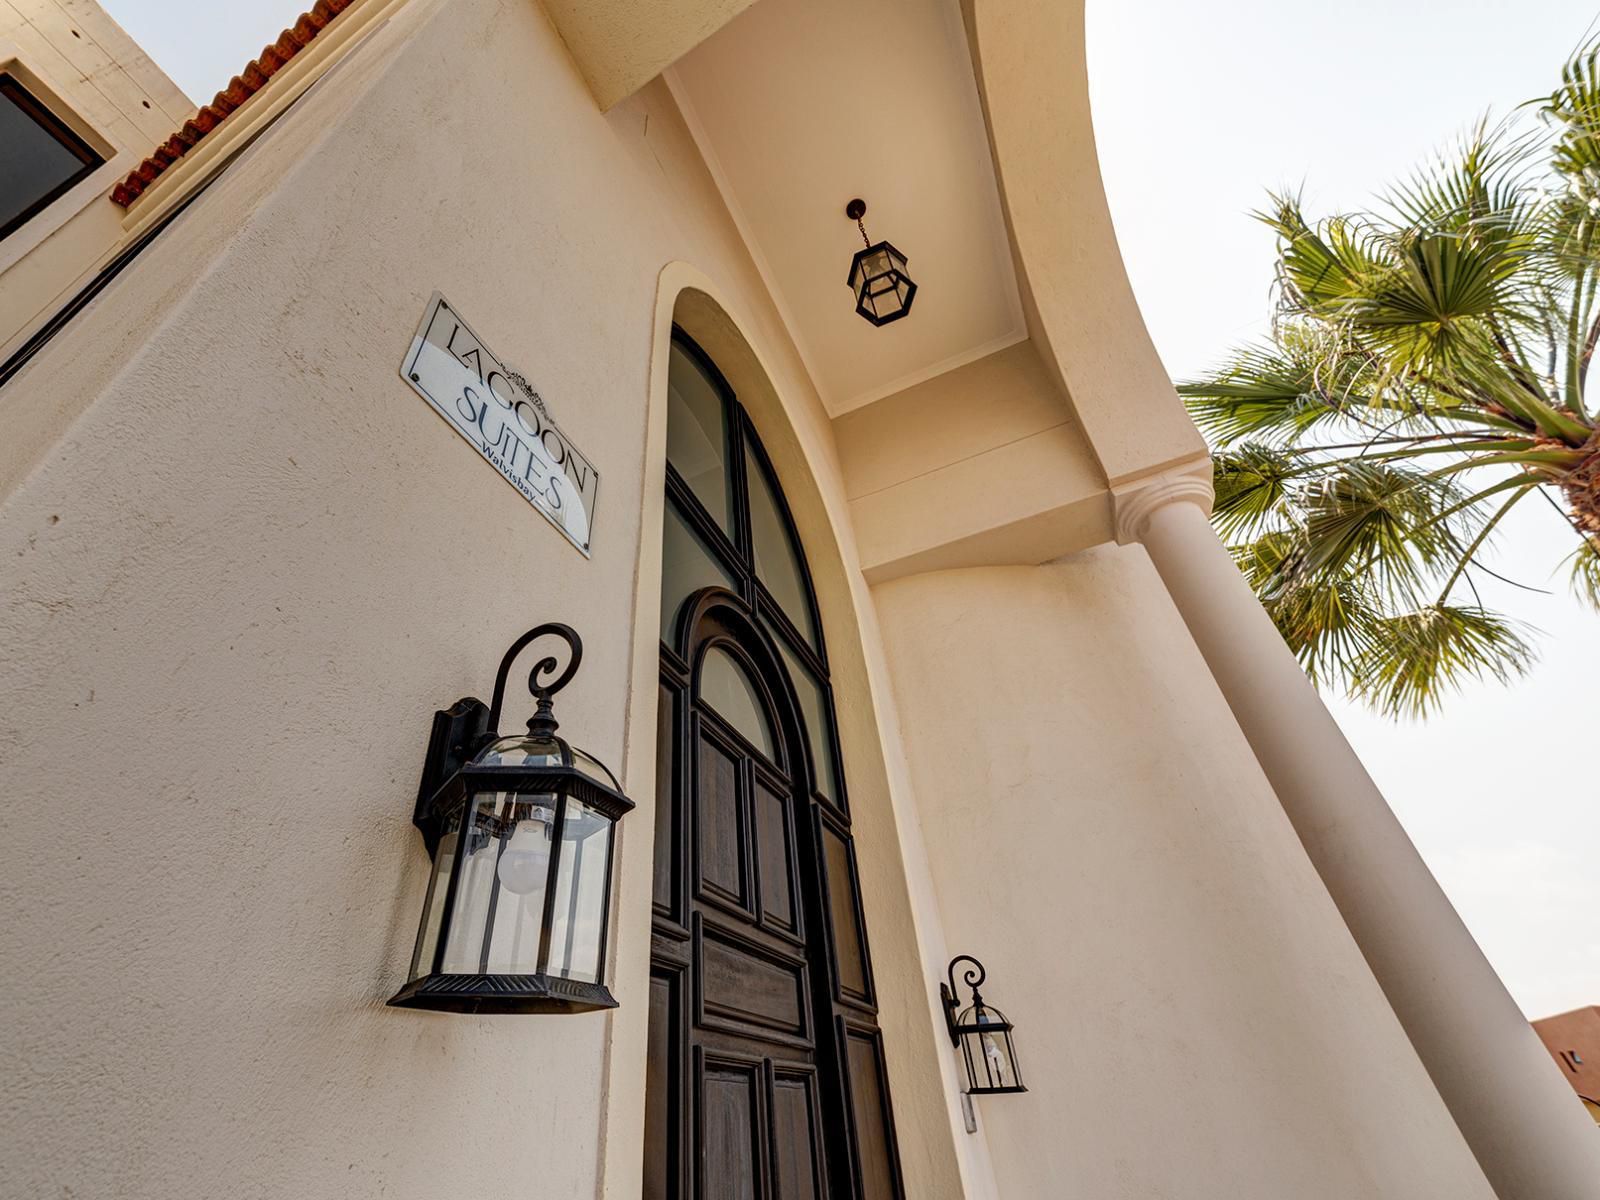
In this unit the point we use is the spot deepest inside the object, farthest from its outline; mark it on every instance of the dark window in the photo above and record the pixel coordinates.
(42, 157)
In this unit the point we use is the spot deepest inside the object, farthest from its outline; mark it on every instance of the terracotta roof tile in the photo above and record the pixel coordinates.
(239, 90)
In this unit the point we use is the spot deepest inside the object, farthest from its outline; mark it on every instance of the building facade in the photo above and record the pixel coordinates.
(1573, 1039)
(83, 105)
(909, 640)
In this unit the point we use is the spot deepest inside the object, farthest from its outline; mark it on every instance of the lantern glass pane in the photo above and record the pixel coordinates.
(989, 1049)
(697, 438)
(878, 263)
(593, 768)
(444, 860)
(521, 750)
(499, 905)
(578, 917)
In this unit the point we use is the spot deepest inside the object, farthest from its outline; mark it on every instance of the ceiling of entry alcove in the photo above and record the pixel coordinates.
(799, 105)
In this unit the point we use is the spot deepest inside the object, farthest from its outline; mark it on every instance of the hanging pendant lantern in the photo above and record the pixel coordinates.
(521, 830)
(883, 289)
(981, 1033)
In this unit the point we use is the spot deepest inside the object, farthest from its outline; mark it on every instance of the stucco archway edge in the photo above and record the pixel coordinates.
(1030, 60)
(939, 1161)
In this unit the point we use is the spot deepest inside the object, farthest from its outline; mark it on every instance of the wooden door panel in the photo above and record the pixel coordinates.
(797, 1170)
(663, 1094)
(750, 989)
(720, 831)
(665, 889)
(849, 954)
(730, 1131)
(868, 1102)
(775, 865)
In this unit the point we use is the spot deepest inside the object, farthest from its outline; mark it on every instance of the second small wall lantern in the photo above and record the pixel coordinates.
(522, 833)
(883, 289)
(981, 1033)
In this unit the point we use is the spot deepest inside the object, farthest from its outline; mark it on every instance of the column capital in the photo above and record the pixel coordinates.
(1133, 503)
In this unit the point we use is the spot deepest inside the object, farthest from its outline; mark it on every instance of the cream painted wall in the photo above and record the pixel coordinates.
(242, 564)
(1193, 1019)
(981, 465)
(623, 45)
(83, 65)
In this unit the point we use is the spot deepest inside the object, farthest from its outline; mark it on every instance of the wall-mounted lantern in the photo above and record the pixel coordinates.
(878, 277)
(522, 834)
(981, 1033)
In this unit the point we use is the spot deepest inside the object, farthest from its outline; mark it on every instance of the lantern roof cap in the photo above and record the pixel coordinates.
(983, 1016)
(531, 751)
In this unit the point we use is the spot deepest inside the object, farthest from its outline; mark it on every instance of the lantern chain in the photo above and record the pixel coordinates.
(856, 210)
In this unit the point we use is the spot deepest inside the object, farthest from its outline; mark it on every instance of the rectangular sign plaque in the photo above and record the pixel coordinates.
(496, 409)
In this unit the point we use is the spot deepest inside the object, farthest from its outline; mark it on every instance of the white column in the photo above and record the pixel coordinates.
(1532, 1139)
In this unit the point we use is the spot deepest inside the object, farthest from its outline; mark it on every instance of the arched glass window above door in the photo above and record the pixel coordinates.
(726, 687)
(728, 525)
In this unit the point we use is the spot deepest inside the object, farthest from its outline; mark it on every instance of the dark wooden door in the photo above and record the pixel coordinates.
(749, 1090)
(767, 1077)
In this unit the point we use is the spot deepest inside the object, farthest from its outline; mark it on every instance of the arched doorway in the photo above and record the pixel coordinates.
(766, 1077)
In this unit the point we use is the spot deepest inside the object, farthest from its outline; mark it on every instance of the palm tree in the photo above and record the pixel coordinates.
(1427, 371)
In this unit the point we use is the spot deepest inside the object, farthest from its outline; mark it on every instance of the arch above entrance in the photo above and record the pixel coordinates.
(896, 892)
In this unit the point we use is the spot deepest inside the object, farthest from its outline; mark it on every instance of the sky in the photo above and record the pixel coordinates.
(198, 49)
(1199, 108)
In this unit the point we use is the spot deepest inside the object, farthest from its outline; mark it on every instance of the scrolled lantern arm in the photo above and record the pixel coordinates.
(543, 722)
(463, 729)
(973, 978)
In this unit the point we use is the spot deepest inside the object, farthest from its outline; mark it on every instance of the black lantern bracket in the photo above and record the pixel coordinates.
(973, 977)
(469, 724)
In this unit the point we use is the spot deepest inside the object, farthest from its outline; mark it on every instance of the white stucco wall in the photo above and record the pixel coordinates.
(242, 564)
(1193, 1019)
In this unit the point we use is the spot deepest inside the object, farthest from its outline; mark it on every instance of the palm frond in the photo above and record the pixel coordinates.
(1378, 519)
(1574, 110)
(1426, 309)
(1586, 573)
(1251, 483)
(1278, 393)
(1413, 660)
(1478, 188)
(1320, 269)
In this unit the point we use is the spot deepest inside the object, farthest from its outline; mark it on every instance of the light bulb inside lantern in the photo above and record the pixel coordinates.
(525, 861)
(993, 1055)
